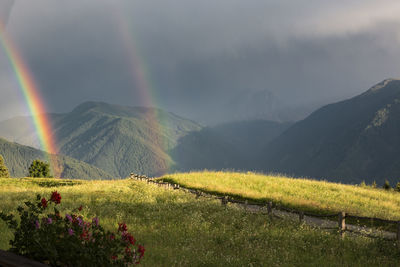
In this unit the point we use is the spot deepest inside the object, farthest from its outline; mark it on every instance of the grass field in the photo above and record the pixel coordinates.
(179, 230)
(304, 194)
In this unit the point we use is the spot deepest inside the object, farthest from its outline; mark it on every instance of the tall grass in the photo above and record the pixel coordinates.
(179, 230)
(308, 195)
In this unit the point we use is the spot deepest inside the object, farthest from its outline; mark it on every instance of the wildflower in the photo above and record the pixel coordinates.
(128, 251)
(70, 231)
(55, 197)
(122, 227)
(37, 225)
(80, 208)
(80, 221)
(127, 237)
(69, 218)
(112, 237)
(44, 203)
(49, 221)
(95, 221)
(114, 257)
(141, 251)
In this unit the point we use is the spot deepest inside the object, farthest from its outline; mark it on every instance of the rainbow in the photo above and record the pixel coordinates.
(141, 78)
(31, 93)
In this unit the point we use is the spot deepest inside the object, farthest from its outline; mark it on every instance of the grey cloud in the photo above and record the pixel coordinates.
(5, 10)
(199, 56)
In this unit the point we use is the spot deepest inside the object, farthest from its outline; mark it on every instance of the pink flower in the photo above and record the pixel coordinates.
(69, 218)
(49, 221)
(127, 237)
(70, 231)
(95, 221)
(122, 227)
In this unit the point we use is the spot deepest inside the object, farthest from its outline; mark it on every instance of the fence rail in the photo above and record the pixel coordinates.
(341, 216)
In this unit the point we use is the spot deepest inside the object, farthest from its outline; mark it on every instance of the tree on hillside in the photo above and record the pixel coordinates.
(386, 185)
(3, 168)
(39, 169)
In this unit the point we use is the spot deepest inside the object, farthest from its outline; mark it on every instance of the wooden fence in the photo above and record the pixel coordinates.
(270, 206)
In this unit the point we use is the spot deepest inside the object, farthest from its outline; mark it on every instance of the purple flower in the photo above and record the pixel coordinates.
(69, 218)
(95, 221)
(37, 225)
(70, 231)
(49, 221)
(80, 221)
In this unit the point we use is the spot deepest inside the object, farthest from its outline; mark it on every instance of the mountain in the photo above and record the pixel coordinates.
(226, 146)
(349, 141)
(18, 159)
(120, 139)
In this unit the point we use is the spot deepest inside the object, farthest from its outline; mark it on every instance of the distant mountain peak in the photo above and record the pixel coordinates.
(382, 84)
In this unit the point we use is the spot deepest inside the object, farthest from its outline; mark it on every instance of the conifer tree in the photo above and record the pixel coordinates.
(3, 168)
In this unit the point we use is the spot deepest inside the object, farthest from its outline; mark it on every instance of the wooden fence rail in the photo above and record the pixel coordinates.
(270, 206)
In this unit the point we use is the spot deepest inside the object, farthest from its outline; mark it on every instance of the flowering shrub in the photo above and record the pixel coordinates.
(69, 240)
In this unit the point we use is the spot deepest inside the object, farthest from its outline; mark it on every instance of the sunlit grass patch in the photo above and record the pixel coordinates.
(179, 230)
(308, 195)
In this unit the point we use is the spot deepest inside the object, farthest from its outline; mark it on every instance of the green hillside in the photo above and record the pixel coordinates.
(179, 230)
(120, 139)
(18, 159)
(349, 141)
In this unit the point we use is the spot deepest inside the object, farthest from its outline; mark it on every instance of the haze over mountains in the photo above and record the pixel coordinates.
(348, 141)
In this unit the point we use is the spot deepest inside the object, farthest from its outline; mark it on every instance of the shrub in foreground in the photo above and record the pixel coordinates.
(43, 234)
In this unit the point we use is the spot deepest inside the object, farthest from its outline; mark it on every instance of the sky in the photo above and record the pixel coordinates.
(209, 60)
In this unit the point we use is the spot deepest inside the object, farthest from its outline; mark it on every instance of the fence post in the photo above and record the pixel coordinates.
(224, 201)
(269, 207)
(398, 233)
(301, 216)
(342, 223)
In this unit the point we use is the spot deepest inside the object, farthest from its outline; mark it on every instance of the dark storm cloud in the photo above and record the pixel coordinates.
(200, 56)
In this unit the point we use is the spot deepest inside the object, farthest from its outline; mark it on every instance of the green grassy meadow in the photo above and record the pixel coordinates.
(179, 230)
(308, 195)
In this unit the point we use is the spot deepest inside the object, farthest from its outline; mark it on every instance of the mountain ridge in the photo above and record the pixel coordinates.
(342, 141)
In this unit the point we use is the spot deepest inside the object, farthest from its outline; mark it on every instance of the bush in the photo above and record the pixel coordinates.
(3, 168)
(386, 185)
(69, 240)
(397, 188)
(39, 169)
